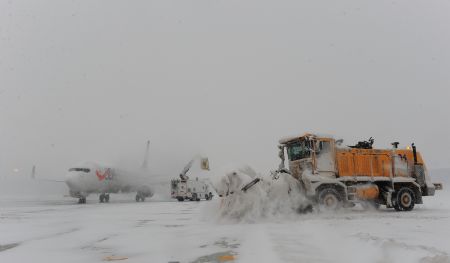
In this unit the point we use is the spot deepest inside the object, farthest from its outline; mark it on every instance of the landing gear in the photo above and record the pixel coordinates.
(195, 197)
(180, 199)
(104, 198)
(82, 200)
(140, 198)
(404, 199)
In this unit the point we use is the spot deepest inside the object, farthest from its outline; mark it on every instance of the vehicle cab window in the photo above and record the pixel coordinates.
(298, 150)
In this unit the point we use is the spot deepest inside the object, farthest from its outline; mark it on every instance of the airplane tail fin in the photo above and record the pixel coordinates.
(145, 163)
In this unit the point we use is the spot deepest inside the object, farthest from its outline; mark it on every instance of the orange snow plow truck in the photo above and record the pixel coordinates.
(334, 175)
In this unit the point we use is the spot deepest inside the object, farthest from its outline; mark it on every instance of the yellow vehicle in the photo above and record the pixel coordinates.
(334, 175)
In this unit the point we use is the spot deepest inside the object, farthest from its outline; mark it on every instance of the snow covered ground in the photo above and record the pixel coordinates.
(54, 228)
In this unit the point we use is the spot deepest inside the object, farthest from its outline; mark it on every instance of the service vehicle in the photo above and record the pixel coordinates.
(193, 190)
(333, 175)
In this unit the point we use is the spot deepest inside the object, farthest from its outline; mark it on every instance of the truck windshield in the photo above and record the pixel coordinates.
(297, 151)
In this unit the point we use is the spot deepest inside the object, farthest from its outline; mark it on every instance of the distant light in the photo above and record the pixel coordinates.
(408, 148)
(16, 170)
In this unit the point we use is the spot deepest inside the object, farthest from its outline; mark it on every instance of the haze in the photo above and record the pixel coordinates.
(94, 80)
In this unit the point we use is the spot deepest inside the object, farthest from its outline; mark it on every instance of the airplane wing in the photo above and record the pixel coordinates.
(33, 176)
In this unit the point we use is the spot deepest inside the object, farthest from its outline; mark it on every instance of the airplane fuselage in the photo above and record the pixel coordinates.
(90, 177)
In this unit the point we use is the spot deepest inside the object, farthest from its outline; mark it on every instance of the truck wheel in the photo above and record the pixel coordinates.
(106, 198)
(180, 199)
(404, 199)
(194, 197)
(102, 198)
(329, 199)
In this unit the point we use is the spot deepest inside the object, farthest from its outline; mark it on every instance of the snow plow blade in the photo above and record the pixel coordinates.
(249, 185)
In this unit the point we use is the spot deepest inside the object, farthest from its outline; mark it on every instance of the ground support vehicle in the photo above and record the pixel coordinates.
(193, 190)
(333, 175)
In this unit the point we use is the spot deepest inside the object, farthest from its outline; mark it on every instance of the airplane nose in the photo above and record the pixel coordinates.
(73, 181)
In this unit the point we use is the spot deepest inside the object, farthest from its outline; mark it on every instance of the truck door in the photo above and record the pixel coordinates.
(325, 157)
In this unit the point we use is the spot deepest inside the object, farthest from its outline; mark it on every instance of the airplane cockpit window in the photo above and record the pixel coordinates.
(84, 170)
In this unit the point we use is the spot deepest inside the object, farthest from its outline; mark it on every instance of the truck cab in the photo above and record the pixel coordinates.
(310, 153)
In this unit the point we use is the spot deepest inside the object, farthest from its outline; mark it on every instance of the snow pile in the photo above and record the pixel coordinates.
(268, 198)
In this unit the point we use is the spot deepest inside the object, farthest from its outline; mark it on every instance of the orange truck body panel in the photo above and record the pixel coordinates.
(375, 162)
(367, 192)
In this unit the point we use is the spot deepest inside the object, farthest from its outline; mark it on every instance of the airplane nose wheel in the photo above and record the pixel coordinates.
(140, 198)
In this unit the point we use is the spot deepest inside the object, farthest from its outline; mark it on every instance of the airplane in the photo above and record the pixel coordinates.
(94, 178)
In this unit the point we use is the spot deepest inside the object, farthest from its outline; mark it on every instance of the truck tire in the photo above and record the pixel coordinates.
(180, 199)
(404, 199)
(329, 199)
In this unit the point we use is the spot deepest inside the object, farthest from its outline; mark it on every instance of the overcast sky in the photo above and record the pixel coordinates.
(93, 80)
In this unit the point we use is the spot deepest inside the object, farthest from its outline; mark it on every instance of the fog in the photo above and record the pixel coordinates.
(94, 80)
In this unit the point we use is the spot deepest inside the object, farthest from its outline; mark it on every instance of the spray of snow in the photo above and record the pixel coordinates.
(267, 199)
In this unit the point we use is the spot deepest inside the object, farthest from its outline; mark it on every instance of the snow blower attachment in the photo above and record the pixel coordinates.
(248, 196)
(249, 185)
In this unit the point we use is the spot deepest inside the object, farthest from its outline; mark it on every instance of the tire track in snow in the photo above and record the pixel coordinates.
(390, 246)
(257, 246)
